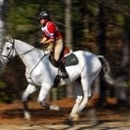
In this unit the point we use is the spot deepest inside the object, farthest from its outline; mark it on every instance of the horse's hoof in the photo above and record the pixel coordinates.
(54, 108)
(74, 117)
(68, 121)
(94, 122)
(27, 116)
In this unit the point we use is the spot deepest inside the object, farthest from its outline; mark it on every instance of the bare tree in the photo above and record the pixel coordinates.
(68, 29)
(2, 29)
(2, 18)
(123, 75)
(101, 41)
(126, 50)
(68, 36)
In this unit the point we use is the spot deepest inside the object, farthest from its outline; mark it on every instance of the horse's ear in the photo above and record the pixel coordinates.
(8, 38)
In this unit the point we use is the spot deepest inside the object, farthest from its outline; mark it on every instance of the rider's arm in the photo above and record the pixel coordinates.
(51, 37)
(43, 40)
(48, 41)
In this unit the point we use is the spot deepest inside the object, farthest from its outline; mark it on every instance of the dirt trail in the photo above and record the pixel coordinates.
(11, 118)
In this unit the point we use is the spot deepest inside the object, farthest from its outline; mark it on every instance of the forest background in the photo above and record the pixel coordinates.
(99, 26)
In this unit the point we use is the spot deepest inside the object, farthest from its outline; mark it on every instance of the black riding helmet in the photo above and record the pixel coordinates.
(44, 15)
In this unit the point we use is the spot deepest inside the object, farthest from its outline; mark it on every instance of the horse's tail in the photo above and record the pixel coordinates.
(106, 70)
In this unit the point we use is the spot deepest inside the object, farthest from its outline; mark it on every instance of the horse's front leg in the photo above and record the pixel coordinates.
(42, 95)
(29, 90)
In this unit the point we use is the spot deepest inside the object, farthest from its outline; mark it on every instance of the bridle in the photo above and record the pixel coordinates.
(13, 50)
(9, 56)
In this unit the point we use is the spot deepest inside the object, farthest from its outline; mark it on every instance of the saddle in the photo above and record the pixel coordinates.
(68, 58)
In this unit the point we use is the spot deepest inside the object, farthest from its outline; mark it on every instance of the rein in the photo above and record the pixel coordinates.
(13, 49)
(9, 56)
(38, 62)
(26, 52)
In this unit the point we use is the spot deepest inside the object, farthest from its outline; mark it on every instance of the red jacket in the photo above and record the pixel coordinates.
(50, 30)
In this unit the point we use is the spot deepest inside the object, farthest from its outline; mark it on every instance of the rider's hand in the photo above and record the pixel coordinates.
(43, 43)
(38, 45)
(50, 47)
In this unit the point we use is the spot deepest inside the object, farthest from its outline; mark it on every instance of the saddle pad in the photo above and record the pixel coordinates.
(71, 60)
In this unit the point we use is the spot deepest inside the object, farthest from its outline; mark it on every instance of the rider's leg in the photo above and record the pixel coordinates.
(57, 53)
(63, 70)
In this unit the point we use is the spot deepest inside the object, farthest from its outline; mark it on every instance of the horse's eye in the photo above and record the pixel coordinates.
(8, 48)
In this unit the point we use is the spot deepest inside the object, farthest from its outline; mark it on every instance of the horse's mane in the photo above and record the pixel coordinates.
(22, 42)
(32, 47)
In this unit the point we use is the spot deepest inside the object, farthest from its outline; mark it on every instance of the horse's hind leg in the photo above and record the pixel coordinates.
(86, 93)
(82, 98)
(86, 82)
(85, 98)
(29, 90)
(73, 115)
(78, 92)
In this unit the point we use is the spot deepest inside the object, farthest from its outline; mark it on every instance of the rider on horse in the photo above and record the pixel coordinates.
(53, 37)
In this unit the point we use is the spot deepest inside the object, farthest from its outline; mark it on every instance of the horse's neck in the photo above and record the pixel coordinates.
(29, 55)
(31, 59)
(22, 47)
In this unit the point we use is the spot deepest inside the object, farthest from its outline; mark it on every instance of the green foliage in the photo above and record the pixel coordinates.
(21, 22)
(120, 19)
(3, 95)
(21, 18)
(2, 85)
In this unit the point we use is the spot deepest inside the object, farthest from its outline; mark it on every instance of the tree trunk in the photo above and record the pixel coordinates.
(101, 40)
(68, 37)
(68, 29)
(123, 75)
(2, 29)
(125, 64)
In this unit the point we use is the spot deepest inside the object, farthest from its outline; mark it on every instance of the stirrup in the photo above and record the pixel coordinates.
(64, 75)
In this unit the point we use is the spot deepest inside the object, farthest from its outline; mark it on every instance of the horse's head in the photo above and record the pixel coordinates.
(8, 51)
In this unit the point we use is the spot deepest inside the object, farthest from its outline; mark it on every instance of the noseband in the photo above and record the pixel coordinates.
(10, 54)
(5, 58)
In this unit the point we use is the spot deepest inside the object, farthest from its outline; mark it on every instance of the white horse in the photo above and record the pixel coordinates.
(41, 72)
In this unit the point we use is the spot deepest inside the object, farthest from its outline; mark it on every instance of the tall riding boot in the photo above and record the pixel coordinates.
(63, 70)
